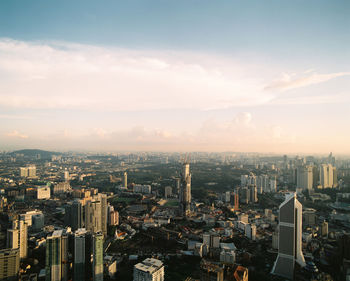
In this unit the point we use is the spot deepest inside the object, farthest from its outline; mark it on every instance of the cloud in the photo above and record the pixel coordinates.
(16, 134)
(56, 75)
(290, 81)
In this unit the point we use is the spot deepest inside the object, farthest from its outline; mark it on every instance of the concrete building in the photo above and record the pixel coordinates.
(290, 238)
(12, 239)
(144, 189)
(27, 172)
(185, 190)
(9, 264)
(149, 270)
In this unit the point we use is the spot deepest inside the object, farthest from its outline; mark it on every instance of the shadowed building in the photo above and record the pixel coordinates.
(290, 238)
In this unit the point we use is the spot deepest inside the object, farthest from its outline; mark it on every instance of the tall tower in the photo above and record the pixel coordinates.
(185, 190)
(23, 242)
(125, 180)
(53, 265)
(290, 235)
(97, 247)
(93, 216)
(79, 254)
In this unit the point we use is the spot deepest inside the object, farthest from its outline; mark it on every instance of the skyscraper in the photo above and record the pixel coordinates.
(79, 254)
(290, 237)
(305, 177)
(97, 246)
(93, 215)
(326, 175)
(185, 190)
(74, 215)
(125, 180)
(23, 242)
(56, 264)
(104, 206)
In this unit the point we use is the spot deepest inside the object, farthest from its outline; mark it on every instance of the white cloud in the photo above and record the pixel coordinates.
(16, 134)
(63, 75)
(309, 77)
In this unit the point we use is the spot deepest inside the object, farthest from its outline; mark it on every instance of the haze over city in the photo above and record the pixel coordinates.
(175, 76)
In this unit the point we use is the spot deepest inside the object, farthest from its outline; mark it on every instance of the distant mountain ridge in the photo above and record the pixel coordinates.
(35, 152)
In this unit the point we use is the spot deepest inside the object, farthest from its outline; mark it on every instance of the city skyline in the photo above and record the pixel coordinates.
(157, 76)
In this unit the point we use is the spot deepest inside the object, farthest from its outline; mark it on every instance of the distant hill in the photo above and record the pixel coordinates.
(34, 152)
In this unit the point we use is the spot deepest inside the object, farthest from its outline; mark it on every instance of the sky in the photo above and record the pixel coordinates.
(186, 75)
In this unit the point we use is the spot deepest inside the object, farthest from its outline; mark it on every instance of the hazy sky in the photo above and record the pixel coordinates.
(264, 76)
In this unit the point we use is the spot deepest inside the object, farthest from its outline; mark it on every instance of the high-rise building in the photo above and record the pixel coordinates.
(93, 216)
(23, 239)
(326, 176)
(97, 246)
(290, 237)
(305, 177)
(9, 264)
(17, 237)
(79, 254)
(103, 199)
(185, 192)
(125, 180)
(149, 270)
(74, 215)
(56, 265)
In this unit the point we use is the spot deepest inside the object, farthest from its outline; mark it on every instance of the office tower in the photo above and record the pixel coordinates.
(56, 264)
(168, 191)
(23, 242)
(73, 216)
(290, 237)
(305, 177)
(326, 176)
(125, 180)
(12, 239)
(93, 216)
(97, 246)
(149, 270)
(79, 254)
(9, 264)
(53, 264)
(185, 193)
(104, 204)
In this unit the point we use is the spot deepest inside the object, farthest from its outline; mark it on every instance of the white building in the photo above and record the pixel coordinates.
(43, 192)
(149, 270)
(326, 176)
(168, 191)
